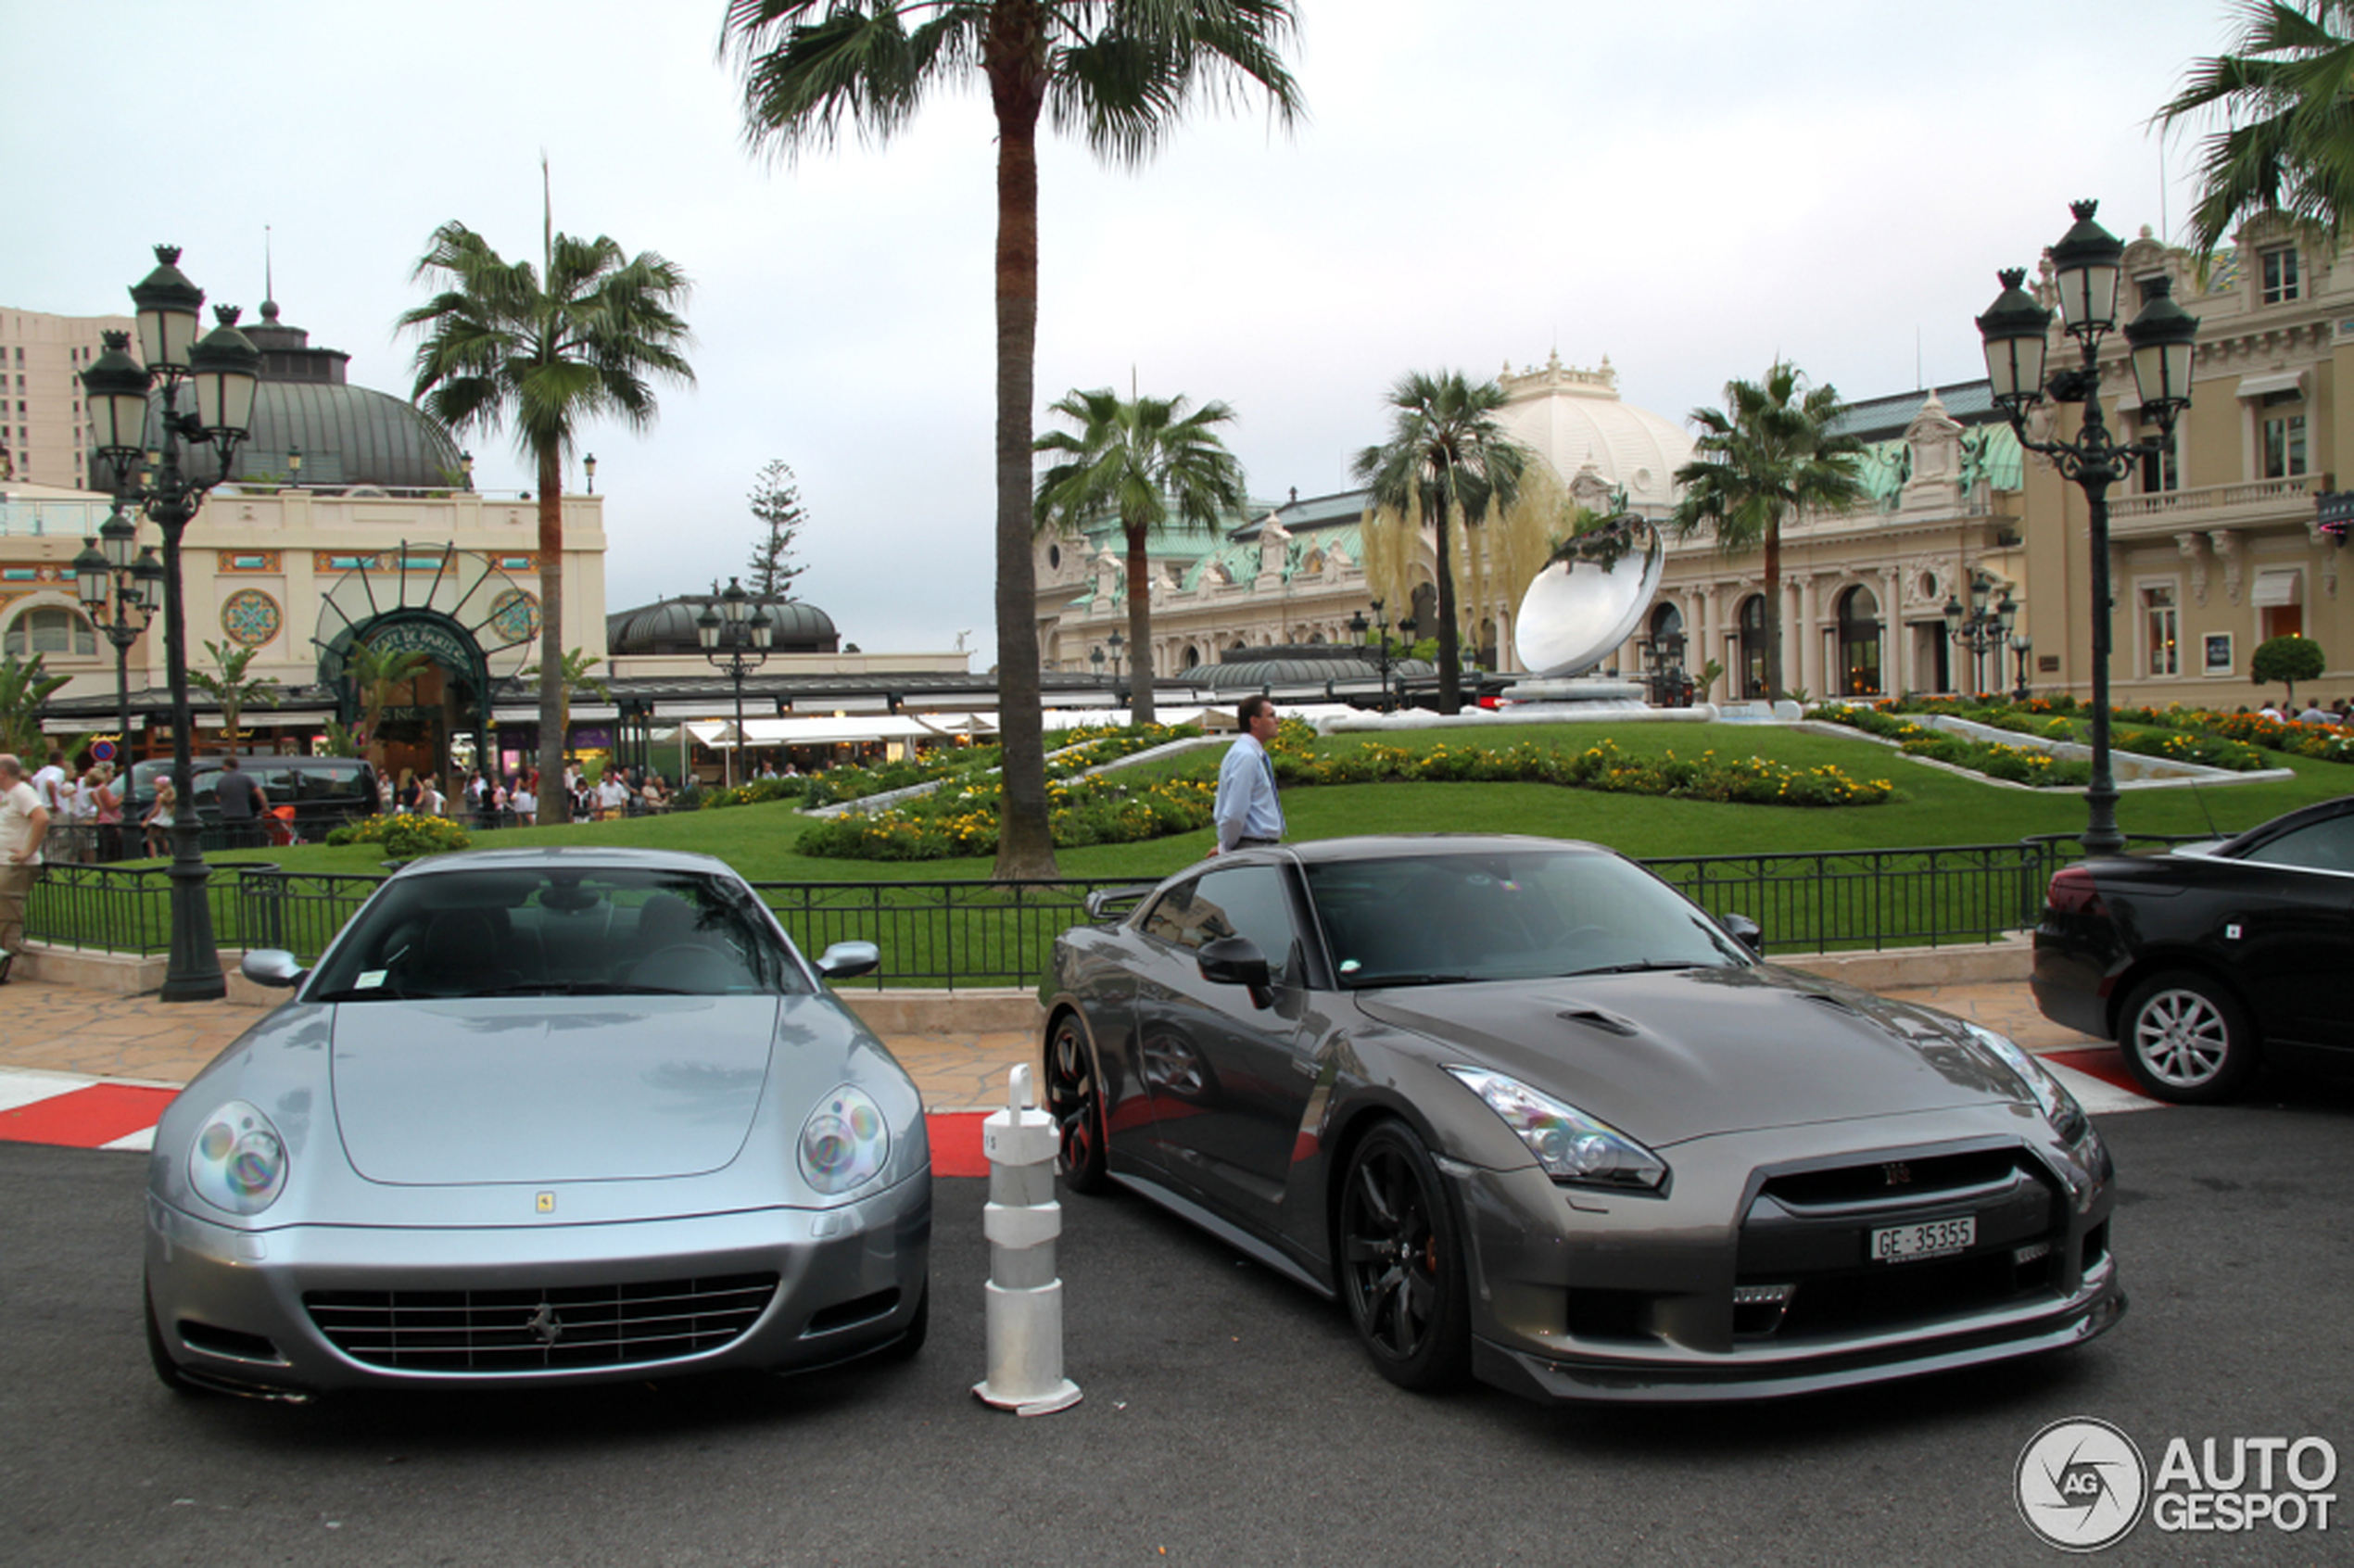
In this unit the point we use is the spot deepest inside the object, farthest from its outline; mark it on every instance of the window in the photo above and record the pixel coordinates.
(2317, 846)
(2163, 621)
(2280, 276)
(1246, 900)
(48, 630)
(2161, 470)
(2284, 446)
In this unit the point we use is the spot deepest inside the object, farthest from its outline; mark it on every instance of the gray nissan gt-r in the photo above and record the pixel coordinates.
(1532, 1114)
(541, 1116)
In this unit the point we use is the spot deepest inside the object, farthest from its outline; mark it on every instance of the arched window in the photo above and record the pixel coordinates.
(1859, 643)
(49, 628)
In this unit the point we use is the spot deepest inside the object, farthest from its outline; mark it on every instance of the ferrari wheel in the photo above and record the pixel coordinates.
(2187, 1039)
(1074, 1098)
(1402, 1267)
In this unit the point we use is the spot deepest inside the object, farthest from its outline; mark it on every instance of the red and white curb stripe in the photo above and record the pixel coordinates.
(80, 1113)
(75, 1111)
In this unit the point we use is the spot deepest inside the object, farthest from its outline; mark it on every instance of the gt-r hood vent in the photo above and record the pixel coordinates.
(1682, 1054)
(548, 1088)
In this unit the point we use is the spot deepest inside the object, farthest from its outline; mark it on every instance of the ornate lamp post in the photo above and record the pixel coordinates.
(122, 596)
(2021, 646)
(1357, 626)
(1983, 627)
(221, 370)
(735, 639)
(1116, 641)
(2088, 262)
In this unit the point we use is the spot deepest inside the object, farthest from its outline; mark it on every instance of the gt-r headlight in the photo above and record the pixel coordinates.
(844, 1143)
(2051, 1096)
(1569, 1145)
(239, 1162)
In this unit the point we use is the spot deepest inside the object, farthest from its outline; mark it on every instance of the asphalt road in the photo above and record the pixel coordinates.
(1229, 1417)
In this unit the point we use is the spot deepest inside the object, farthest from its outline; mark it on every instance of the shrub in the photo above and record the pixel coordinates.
(405, 837)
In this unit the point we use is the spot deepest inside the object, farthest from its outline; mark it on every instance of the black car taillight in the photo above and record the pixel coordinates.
(2072, 892)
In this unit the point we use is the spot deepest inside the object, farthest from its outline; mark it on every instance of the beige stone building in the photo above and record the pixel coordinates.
(43, 439)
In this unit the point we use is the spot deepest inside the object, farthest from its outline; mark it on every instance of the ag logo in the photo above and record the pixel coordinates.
(2081, 1485)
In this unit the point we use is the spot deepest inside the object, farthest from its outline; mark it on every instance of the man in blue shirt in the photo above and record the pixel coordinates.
(1247, 812)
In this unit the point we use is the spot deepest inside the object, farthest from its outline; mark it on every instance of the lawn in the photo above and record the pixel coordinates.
(1931, 806)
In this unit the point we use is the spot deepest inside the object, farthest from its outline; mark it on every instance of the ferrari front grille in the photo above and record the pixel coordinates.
(533, 1330)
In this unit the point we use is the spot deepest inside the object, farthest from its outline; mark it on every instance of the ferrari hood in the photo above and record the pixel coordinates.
(549, 1089)
(1685, 1053)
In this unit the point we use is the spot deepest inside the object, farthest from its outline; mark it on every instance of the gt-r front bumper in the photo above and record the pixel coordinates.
(303, 1308)
(1758, 1273)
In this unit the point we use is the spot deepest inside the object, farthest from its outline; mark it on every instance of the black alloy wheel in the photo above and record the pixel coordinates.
(2187, 1039)
(1402, 1267)
(1074, 1098)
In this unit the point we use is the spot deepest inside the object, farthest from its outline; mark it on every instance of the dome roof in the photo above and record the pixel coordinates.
(1573, 418)
(668, 626)
(1298, 665)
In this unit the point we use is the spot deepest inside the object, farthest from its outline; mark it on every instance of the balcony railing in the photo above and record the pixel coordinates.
(2295, 493)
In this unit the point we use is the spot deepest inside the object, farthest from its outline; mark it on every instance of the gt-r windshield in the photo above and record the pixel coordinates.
(557, 932)
(1441, 918)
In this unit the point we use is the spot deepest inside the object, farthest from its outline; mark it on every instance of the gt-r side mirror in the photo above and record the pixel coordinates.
(1237, 961)
(1746, 931)
(272, 966)
(845, 959)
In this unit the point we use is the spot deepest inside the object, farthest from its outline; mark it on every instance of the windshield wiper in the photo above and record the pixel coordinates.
(1645, 966)
(1367, 982)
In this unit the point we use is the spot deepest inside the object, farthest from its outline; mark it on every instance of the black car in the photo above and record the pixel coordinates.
(2209, 959)
(1534, 1116)
(325, 793)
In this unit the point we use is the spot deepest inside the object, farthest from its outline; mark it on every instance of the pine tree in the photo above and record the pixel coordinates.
(776, 501)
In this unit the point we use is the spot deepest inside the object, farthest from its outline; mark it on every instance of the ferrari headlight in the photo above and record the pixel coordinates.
(1571, 1146)
(239, 1162)
(2051, 1096)
(844, 1143)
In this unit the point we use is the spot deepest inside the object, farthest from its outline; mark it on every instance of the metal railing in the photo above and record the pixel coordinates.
(951, 934)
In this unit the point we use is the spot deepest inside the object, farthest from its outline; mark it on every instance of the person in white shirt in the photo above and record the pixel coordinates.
(613, 795)
(50, 785)
(525, 804)
(24, 822)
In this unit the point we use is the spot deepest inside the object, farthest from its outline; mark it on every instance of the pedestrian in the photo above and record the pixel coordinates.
(106, 800)
(24, 822)
(613, 795)
(429, 797)
(1248, 811)
(159, 818)
(242, 804)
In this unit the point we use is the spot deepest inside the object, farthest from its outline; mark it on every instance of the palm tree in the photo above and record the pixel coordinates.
(1118, 73)
(232, 689)
(1447, 457)
(1759, 463)
(2287, 104)
(1135, 460)
(550, 349)
(378, 673)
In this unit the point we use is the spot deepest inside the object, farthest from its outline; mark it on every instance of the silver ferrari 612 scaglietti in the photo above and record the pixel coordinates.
(1534, 1115)
(539, 1117)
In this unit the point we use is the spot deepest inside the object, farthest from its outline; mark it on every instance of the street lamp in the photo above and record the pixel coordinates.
(122, 596)
(735, 625)
(1357, 626)
(1117, 642)
(221, 370)
(1985, 627)
(2087, 263)
(2021, 646)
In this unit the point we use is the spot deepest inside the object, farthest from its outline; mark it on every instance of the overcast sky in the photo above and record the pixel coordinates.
(1689, 190)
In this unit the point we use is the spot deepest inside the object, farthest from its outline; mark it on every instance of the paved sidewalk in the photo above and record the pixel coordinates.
(59, 1028)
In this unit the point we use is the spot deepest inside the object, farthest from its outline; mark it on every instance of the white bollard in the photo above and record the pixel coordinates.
(1025, 1295)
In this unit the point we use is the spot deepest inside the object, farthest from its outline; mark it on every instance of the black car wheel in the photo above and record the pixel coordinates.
(1402, 1267)
(2187, 1039)
(1074, 1098)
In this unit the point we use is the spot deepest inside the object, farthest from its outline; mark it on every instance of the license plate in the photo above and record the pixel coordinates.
(1938, 1238)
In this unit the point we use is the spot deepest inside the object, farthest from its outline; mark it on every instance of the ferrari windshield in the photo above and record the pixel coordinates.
(1441, 916)
(557, 931)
